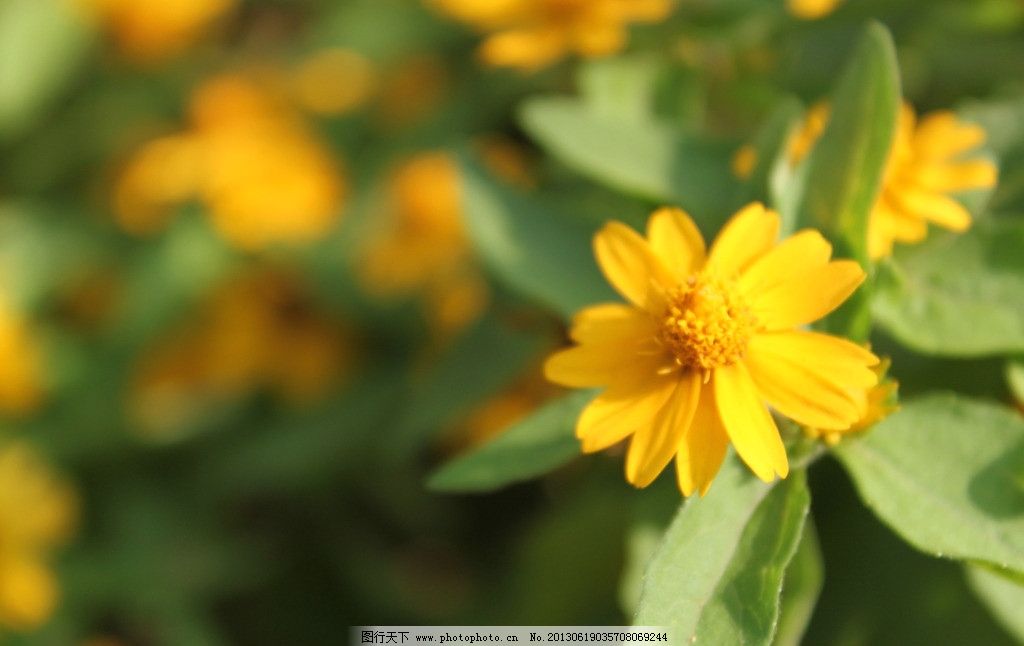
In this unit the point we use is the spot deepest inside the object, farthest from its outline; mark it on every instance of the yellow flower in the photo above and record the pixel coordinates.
(707, 340)
(150, 31)
(21, 371)
(923, 167)
(423, 248)
(811, 9)
(249, 158)
(37, 512)
(876, 403)
(531, 34)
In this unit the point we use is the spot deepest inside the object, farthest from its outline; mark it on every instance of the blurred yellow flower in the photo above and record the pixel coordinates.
(811, 9)
(531, 34)
(161, 175)
(707, 339)
(924, 166)
(249, 158)
(424, 247)
(37, 512)
(21, 371)
(151, 31)
(876, 403)
(259, 330)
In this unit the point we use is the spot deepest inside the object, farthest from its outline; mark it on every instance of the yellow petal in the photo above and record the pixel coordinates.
(703, 447)
(887, 224)
(941, 136)
(646, 10)
(747, 236)
(950, 177)
(654, 445)
(835, 360)
(527, 49)
(612, 323)
(746, 420)
(602, 364)
(807, 396)
(599, 40)
(806, 298)
(619, 411)
(28, 592)
(934, 207)
(675, 239)
(630, 266)
(793, 257)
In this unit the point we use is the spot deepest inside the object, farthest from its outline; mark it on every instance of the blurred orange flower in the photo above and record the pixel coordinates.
(423, 247)
(532, 34)
(250, 159)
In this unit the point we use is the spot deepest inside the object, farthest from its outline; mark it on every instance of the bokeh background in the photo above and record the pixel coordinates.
(242, 322)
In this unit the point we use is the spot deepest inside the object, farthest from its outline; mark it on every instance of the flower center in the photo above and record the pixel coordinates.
(707, 324)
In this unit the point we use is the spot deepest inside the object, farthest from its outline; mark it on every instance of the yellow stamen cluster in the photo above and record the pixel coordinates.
(706, 324)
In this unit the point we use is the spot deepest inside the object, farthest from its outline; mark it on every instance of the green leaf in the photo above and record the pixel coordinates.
(1015, 377)
(770, 146)
(717, 575)
(947, 474)
(957, 295)
(639, 156)
(800, 589)
(41, 45)
(487, 356)
(527, 449)
(1003, 593)
(846, 168)
(539, 252)
(620, 87)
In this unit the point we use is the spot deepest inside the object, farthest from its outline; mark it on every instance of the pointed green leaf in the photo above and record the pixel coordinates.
(639, 156)
(800, 589)
(947, 474)
(542, 253)
(528, 449)
(1003, 593)
(957, 295)
(716, 577)
(846, 167)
